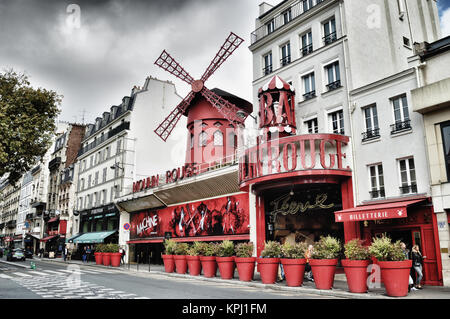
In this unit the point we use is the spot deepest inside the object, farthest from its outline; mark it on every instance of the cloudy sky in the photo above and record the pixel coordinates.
(117, 42)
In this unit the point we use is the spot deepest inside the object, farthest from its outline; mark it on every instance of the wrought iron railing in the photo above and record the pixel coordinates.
(334, 85)
(309, 95)
(307, 49)
(286, 60)
(408, 189)
(377, 193)
(330, 38)
(370, 134)
(400, 126)
(267, 70)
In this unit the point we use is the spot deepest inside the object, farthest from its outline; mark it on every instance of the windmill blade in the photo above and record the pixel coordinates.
(166, 127)
(231, 43)
(230, 111)
(168, 63)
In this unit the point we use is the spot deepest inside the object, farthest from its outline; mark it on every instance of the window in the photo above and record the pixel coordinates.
(307, 44)
(407, 176)
(287, 16)
(104, 174)
(406, 42)
(371, 122)
(92, 161)
(202, 139)
(107, 153)
(82, 184)
(333, 76)
(270, 26)
(445, 129)
(89, 181)
(267, 64)
(96, 178)
(309, 86)
(218, 138)
(192, 140)
(313, 127)
(329, 31)
(337, 122)
(376, 181)
(401, 114)
(119, 146)
(286, 54)
(307, 4)
(104, 193)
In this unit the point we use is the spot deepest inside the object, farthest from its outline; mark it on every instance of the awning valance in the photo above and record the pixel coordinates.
(54, 219)
(71, 239)
(375, 211)
(93, 238)
(48, 238)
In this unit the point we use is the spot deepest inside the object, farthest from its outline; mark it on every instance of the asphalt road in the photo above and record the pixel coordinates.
(58, 281)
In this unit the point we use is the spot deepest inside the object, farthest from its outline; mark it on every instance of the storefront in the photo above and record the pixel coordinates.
(410, 220)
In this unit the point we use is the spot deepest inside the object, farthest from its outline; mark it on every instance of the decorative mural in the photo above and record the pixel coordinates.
(228, 215)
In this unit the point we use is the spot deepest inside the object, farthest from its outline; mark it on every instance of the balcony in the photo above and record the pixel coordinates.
(334, 85)
(408, 189)
(285, 61)
(267, 70)
(308, 49)
(370, 134)
(330, 38)
(54, 163)
(280, 20)
(309, 95)
(379, 193)
(400, 126)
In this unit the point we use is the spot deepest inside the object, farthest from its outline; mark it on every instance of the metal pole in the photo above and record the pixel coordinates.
(138, 262)
(149, 258)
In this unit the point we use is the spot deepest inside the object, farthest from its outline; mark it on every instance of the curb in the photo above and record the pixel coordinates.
(13, 264)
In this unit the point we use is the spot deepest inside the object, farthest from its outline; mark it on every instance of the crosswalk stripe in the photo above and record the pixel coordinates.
(54, 272)
(21, 274)
(38, 273)
(5, 276)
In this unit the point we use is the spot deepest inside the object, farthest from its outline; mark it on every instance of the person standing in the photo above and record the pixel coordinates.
(84, 254)
(88, 253)
(65, 252)
(308, 270)
(122, 255)
(406, 253)
(417, 261)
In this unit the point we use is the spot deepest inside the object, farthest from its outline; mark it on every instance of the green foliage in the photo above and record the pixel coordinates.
(100, 248)
(326, 248)
(108, 248)
(210, 249)
(169, 245)
(244, 250)
(272, 249)
(181, 248)
(27, 123)
(225, 249)
(195, 249)
(296, 251)
(355, 250)
(383, 249)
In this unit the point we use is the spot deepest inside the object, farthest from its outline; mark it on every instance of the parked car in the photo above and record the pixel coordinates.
(28, 254)
(15, 254)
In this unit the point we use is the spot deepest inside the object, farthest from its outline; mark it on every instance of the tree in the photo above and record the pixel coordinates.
(27, 123)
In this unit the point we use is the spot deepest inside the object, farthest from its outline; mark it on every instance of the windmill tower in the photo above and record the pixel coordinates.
(213, 115)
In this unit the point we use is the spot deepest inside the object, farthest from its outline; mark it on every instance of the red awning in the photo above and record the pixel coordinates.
(54, 219)
(375, 211)
(48, 238)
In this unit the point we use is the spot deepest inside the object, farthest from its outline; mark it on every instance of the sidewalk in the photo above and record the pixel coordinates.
(340, 288)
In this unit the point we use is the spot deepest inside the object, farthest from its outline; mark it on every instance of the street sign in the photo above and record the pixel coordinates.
(126, 226)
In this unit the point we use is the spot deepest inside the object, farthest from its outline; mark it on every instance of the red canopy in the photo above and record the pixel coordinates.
(375, 211)
(54, 219)
(48, 238)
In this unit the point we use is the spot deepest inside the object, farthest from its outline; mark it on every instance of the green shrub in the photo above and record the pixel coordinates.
(326, 248)
(272, 249)
(383, 249)
(225, 249)
(100, 248)
(195, 249)
(296, 251)
(169, 245)
(355, 250)
(181, 249)
(244, 250)
(210, 249)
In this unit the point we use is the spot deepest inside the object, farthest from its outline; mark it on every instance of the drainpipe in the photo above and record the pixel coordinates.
(351, 108)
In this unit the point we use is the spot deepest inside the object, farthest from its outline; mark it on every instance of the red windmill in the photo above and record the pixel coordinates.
(229, 111)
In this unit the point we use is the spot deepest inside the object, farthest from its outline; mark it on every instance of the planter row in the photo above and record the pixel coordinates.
(395, 274)
(108, 259)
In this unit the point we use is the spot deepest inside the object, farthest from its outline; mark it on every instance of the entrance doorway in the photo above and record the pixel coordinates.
(145, 253)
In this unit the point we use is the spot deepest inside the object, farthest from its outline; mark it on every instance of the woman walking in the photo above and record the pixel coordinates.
(417, 261)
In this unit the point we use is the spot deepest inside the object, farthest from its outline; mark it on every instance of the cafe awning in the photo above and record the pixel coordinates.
(376, 211)
(45, 239)
(93, 238)
(71, 239)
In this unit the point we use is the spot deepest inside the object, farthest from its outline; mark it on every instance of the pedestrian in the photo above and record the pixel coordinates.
(88, 253)
(122, 255)
(417, 261)
(84, 254)
(406, 253)
(65, 252)
(41, 253)
(308, 270)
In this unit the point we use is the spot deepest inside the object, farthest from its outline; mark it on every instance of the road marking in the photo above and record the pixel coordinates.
(38, 273)
(5, 276)
(21, 274)
(53, 272)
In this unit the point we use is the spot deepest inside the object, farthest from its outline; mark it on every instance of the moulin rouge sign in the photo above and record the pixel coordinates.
(172, 176)
(295, 155)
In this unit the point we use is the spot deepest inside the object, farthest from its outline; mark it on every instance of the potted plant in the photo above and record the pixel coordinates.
(115, 255)
(169, 263)
(394, 265)
(245, 263)
(225, 259)
(180, 257)
(99, 254)
(269, 261)
(208, 253)
(106, 255)
(324, 259)
(355, 265)
(293, 261)
(193, 259)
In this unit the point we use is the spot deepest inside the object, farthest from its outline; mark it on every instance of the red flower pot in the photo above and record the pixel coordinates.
(268, 269)
(115, 259)
(226, 267)
(169, 263)
(194, 265)
(245, 267)
(294, 270)
(98, 258)
(356, 273)
(395, 276)
(323, 272)
(209, 266)
(180, 264)
(106, 259)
